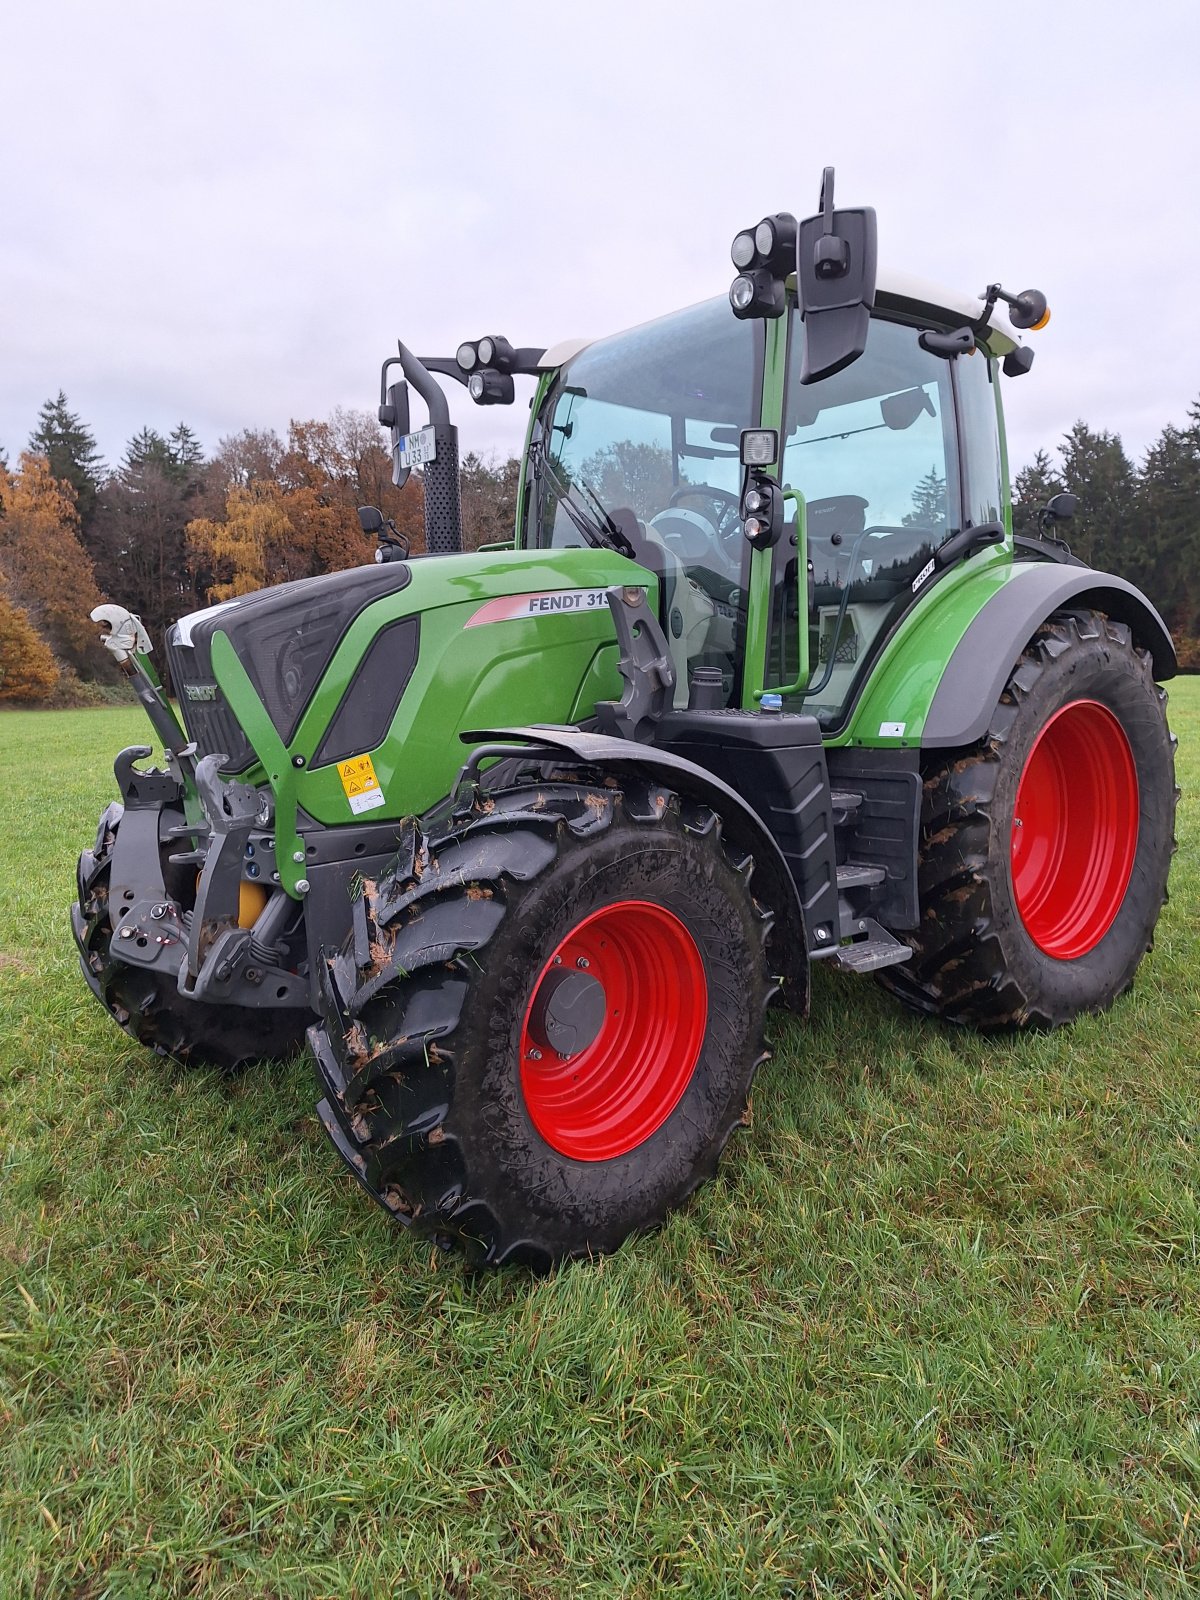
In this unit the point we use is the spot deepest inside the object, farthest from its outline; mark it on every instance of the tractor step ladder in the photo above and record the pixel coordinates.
(854, 875)
(877, 949)
(844, 805)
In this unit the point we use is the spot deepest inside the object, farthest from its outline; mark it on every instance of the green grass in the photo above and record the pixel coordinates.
(935, 1331)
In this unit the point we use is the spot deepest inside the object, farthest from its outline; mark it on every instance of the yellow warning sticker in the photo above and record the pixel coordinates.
(360, 783)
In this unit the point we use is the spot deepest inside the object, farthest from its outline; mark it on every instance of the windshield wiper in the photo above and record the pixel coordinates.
(596, 527)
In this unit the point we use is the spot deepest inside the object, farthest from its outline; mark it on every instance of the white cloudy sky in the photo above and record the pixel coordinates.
(226, 212)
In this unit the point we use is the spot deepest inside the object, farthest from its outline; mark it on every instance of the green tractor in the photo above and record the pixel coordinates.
(528, 838)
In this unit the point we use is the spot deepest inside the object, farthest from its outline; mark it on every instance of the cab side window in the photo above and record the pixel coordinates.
(873, 451)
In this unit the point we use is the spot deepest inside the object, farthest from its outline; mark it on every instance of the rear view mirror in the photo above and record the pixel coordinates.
(900, 411)
(393, 414)
(835, 278)
(370, 519)
(1059, 508)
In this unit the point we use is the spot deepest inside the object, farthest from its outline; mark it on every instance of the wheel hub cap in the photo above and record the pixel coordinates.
(613, 1030)
(1075, 830)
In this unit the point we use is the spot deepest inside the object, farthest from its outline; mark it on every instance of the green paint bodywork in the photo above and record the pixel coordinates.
(910, 667)
(550, 668)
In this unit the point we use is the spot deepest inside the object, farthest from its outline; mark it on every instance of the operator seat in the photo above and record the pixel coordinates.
(834, 523)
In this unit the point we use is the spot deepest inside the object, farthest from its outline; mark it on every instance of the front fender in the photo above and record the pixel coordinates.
(773, 884)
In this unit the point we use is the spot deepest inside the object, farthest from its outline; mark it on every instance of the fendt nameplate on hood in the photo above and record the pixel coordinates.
(521, 607)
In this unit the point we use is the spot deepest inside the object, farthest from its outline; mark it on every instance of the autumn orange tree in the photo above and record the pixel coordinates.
(279, 511)
(28, 670)
(49, 575)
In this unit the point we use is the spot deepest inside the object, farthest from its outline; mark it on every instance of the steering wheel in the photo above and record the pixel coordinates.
(728, 506)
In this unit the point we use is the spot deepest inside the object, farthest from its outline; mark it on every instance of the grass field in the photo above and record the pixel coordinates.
(934, 1332)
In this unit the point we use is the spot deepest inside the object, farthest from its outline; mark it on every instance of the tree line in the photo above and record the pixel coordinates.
(168, 530)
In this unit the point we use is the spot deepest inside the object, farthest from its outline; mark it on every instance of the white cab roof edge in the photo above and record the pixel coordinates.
(186, 624)
(898, 290)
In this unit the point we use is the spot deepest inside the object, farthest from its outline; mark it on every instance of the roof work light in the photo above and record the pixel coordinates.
(764, 256)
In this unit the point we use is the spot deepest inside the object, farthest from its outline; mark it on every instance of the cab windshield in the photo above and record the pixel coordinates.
(640, 433)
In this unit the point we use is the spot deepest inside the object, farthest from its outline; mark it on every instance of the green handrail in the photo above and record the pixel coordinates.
(802, 675)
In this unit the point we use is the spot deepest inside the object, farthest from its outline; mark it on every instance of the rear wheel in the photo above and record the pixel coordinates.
(544, 1030)
(1045, 851)
(148, 1004)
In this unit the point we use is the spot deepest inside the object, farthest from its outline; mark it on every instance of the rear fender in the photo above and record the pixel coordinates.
(938, 680)
(979, 666)
(773, 885)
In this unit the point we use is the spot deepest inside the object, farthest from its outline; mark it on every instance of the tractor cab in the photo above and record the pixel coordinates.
(881, 465)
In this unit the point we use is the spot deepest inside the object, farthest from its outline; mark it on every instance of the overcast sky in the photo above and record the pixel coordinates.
(227, 213)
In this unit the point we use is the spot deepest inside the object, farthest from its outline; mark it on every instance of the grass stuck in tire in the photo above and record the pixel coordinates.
(934, 1331)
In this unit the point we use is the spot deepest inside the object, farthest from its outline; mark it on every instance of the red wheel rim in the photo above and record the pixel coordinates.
(1075, 830)
(619, 1088)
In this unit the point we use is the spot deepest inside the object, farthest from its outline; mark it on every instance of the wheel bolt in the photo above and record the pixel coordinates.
(535, 1055)
(558, 961)
(583, 962)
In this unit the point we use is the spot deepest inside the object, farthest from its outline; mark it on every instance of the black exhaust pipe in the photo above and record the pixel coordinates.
(443, 491)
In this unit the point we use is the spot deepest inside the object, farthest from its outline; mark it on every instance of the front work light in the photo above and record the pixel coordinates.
(490, 351)
(764, 255)
(759, 447)
(762, 510)
(757, 294)
(488, 388)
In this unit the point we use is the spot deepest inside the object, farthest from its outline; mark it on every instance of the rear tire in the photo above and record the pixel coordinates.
(540, 1039)
(148, 1005)
(1045, 850)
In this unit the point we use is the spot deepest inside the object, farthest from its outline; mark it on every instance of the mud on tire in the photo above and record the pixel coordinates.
(147, 1005)
(1007, 941)
(435, 1088)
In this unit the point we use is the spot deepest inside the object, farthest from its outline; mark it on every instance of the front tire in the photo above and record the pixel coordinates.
(540, 1038)
(1045, 851)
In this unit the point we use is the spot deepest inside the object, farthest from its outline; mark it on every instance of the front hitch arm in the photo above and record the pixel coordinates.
(230, 810)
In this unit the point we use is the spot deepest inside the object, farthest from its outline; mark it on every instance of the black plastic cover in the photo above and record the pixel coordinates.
(776, 762)
(365, 712)
(285, 637)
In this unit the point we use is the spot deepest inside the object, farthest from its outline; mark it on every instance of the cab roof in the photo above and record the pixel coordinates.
(894, 291)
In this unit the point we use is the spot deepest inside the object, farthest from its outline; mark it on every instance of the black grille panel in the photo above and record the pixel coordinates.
(207, 718)
(285, 637)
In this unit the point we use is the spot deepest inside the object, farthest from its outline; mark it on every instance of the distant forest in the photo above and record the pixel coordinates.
(168, 530)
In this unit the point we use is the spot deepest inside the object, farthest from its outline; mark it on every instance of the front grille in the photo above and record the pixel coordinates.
(208, 720)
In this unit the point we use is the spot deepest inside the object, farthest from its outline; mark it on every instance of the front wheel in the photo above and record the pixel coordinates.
(1045, 852)
(543, 1031)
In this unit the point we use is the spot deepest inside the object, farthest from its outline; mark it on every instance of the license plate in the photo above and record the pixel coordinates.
(415, 449)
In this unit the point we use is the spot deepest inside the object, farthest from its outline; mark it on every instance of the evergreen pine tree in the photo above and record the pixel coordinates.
(72, 451)
(1096, 468)
(147, 448)
(186, 453)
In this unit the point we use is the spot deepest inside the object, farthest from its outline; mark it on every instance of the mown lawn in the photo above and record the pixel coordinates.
(934, 1332)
